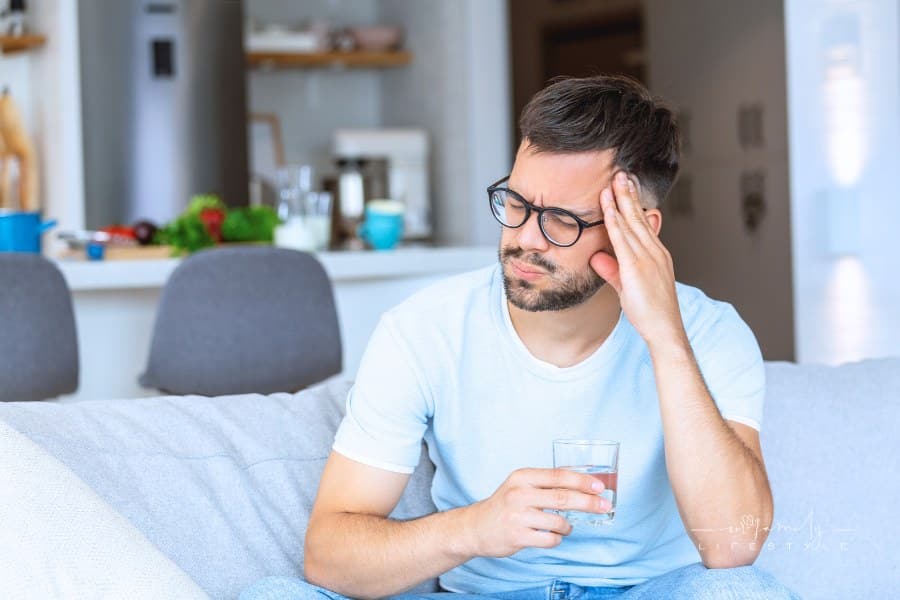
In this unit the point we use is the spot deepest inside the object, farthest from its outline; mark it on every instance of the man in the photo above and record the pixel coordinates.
(580, 332)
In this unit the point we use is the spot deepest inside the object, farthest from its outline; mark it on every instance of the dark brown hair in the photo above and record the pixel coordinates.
(607, 112)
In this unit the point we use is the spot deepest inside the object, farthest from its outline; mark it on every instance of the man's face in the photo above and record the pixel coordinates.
(538, 275)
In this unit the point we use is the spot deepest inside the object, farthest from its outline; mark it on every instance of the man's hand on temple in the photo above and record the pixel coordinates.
(641, 272)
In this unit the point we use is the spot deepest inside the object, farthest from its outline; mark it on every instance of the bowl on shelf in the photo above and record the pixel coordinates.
(377, 38)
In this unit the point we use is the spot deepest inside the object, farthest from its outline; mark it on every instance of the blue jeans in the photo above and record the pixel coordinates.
(693, 582)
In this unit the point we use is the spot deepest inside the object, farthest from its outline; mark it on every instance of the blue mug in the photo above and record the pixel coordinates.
(21, 231)
(383, 226)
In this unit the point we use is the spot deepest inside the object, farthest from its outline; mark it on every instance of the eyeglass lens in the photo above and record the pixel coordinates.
(557, 225)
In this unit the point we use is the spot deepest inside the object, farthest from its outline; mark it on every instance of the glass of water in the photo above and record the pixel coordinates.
(598, 458)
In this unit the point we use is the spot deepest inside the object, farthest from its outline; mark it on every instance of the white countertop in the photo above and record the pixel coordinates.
(82, 275)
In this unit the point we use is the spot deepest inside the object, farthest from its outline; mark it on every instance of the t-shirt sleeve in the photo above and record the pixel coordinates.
(388, 406)
(732, 366)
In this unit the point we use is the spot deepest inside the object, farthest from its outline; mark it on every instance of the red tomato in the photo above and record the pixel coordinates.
(212, 219)
(120, 231)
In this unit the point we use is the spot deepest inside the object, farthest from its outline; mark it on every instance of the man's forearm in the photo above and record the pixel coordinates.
(720, 486)
(368, 556)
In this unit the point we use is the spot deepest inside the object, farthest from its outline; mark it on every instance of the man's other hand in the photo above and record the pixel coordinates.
(514, 516)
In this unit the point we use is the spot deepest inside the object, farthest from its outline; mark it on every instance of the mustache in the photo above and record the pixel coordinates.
(535, 259)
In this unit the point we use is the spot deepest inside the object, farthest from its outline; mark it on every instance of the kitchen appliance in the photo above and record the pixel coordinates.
(350, 191)
(21, 231)
(406, 153)
(163, 106)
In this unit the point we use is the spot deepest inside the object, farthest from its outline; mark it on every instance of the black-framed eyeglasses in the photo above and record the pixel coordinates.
(559, 226)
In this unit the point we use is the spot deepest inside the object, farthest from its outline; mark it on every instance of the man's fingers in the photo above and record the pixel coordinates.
(629, 206)
(549, 521)
(635, 228)
(627, 197)
(563, 499)
(559, 478)
(544, 539)
(621, 239)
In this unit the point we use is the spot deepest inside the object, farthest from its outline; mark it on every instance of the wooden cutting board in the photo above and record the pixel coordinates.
(125, 253)
(147, 252)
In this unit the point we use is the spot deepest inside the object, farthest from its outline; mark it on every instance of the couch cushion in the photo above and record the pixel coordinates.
(830, 438)
(222, 486)
(58, 539)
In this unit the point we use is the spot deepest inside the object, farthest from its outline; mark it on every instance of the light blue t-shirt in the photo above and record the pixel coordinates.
(447, 365)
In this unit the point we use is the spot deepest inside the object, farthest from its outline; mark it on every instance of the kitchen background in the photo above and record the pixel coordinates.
(785, 206)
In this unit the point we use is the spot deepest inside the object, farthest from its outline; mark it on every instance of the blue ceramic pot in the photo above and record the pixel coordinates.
(21, 231)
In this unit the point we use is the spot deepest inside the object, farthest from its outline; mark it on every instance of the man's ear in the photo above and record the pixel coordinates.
(654, 217)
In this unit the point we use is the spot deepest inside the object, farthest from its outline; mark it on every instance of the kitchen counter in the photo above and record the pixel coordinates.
(115, 305)
(361, 265)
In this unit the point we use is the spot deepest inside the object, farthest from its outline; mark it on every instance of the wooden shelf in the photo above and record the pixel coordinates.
(352, 60)
(20, 43)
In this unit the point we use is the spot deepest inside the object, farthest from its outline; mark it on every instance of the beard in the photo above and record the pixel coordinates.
(571, 289)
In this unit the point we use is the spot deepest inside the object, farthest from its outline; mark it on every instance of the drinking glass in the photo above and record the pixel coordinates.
(318, 218)
(294, 182)
(598, 458)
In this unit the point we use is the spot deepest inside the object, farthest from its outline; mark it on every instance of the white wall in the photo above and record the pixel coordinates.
(844, 107)
(489, 98)
(57, 95)
(458, 89)
(312, 103)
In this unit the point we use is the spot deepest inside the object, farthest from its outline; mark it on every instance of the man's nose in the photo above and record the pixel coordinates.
(530, 236)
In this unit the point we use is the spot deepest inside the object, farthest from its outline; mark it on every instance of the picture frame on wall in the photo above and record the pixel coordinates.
(266, 145)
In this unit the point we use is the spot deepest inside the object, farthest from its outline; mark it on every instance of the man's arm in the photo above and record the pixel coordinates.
(716, 469)
(715, 466)
(353, 548)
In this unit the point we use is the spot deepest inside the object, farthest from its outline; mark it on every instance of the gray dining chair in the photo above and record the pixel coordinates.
(241, 320)
(38, 341)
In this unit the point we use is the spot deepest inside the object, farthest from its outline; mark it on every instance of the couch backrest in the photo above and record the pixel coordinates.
(831, 438)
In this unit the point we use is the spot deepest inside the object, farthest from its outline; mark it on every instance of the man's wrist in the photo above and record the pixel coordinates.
(463, 539)
(670, 345)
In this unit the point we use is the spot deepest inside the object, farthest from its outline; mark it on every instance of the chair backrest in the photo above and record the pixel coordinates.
(239, 320)
(38, 342)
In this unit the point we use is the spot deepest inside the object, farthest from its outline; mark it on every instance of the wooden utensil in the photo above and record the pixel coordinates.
(4, 175)
(17, 146)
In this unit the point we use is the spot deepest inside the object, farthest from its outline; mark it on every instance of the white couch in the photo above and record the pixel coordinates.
(215, 492)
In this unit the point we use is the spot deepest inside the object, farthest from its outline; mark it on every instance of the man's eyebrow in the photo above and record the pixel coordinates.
(589, 214)
(584, 214)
